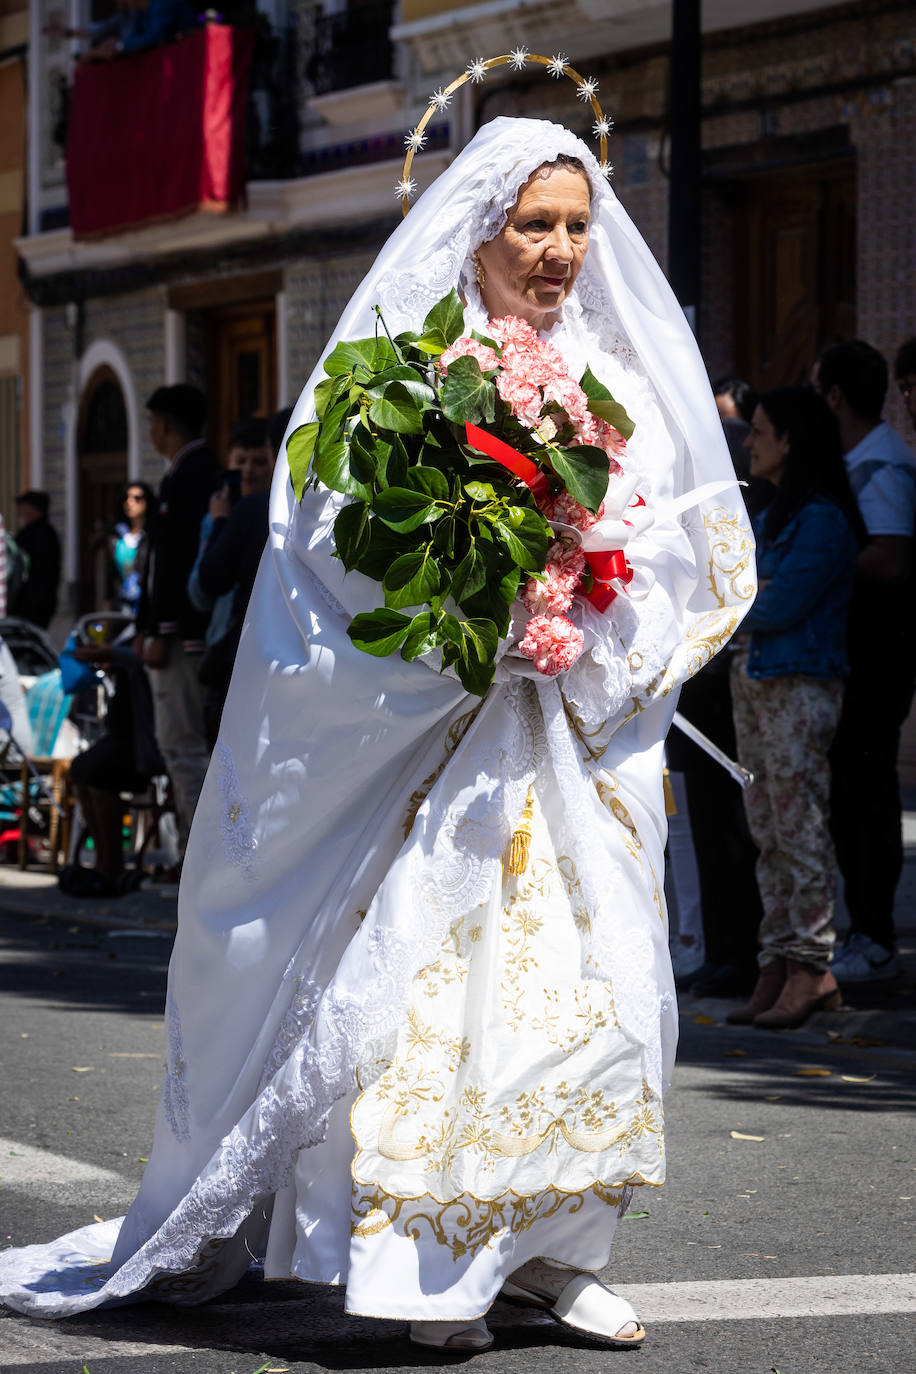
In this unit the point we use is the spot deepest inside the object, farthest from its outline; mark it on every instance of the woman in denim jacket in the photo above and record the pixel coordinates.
(787, 689)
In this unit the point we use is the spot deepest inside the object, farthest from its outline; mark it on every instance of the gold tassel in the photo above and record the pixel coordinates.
(670, 803)
(520, 844)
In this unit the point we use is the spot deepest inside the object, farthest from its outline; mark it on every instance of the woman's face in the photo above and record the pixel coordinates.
(532, 263)
(769, 451)
(134, 503)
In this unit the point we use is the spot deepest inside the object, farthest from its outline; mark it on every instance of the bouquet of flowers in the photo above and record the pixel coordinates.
(473, 464)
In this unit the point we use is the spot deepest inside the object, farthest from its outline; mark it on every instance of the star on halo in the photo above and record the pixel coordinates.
(477, 70)
(518, 58)
(557, 65)
(415, 140)
(405, 187)
(440, 99)
(605, 169)
(587, 89)
(603, 127)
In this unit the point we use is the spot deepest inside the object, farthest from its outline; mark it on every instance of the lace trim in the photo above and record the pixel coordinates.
(239, 843)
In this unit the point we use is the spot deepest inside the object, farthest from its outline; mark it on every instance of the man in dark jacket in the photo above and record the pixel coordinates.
(37, 539)
(173, 631)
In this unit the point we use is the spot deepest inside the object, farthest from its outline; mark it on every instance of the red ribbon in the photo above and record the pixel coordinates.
(510, 458)
(605, 565)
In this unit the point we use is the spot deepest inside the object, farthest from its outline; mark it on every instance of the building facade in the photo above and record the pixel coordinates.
(809, 146)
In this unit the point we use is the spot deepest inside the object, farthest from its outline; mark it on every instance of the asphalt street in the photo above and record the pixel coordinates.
(782, 1243)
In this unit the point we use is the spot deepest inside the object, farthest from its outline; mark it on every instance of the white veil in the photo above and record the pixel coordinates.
(308, 905)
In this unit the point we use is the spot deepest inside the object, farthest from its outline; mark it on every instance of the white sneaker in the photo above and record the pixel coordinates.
(865, 961)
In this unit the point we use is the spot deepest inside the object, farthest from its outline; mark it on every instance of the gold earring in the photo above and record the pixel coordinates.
(479, 270)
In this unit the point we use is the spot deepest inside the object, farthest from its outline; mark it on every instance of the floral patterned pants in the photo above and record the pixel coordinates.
(784, 727)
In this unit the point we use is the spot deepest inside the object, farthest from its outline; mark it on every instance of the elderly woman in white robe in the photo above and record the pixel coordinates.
(391, 1064)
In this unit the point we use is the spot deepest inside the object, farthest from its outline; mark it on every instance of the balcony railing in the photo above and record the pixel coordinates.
(352, 48)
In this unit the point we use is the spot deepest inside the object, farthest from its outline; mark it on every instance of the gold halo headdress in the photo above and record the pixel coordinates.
(557, 66)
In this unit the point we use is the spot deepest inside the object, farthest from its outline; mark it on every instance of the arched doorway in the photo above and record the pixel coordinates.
(102, 456)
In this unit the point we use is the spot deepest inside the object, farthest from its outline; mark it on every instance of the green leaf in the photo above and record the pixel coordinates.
(468, 576)
(428, 480)
(411, 580)
(602, 403)
(583, 471)
(411, 378)
(482, 638)
(379, 632)
(397, 410)
(444, 537)
(299, 449)
(404, 509)
(363, 456)
(494, 600)
(398, 464)
(385, 545)
(480, 491)
(525, 534)
(329, 392)
(351, 533)
(446, 318)
(421, 637)
(432, 344)
(474, 676)
(373, 354)
(466, 394)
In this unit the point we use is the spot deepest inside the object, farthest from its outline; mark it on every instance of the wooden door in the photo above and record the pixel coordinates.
(796, 278)
(242, 366)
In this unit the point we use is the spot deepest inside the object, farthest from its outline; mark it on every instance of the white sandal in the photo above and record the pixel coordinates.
(584, 1305)
(463, 1336)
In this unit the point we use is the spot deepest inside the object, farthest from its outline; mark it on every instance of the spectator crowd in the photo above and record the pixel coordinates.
(811, 697)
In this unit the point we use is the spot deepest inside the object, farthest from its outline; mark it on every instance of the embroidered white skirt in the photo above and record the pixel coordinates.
(507, 1120)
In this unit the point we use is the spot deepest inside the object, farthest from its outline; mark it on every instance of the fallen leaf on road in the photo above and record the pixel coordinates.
(73, 1099)
(703, 1021)
(96, 1217)
(737, 1135)
(82, 1068)
(23, 1035)
(143, 1159)
(777, 1097)
(635, 1216)
(851, 1078)
(734, 1054)
(813, 1073)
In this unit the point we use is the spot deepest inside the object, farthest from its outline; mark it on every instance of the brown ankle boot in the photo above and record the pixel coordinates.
(807, 989)
(769, 985)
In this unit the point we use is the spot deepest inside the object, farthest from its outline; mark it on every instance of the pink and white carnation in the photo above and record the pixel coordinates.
(596, 431)
(553, 643)
(469, 348)
(521, 396)
(554, 594)
(563, 509)
(510, 330)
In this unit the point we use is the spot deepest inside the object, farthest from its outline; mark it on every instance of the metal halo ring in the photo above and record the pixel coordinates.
(557, 65)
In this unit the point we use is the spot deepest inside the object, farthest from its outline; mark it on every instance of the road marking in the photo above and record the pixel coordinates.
(827, 1295)
(43, 1174)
